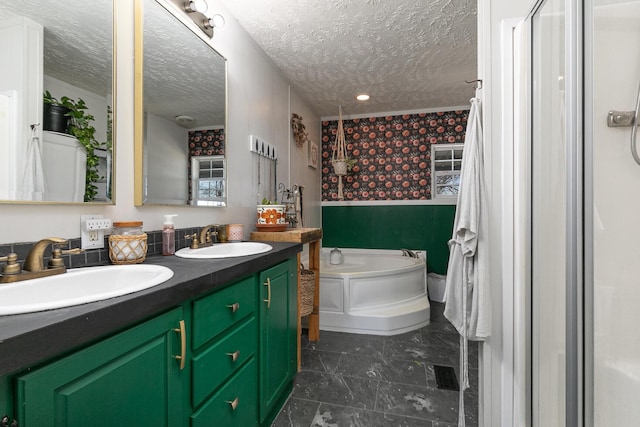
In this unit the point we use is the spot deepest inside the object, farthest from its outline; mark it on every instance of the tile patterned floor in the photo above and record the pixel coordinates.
(369, 381)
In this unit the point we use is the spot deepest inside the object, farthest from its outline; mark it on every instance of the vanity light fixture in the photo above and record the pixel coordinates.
(363, 97)
(197, 10)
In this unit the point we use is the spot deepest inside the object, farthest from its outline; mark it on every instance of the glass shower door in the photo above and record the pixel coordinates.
(548, 215)
(614, 67)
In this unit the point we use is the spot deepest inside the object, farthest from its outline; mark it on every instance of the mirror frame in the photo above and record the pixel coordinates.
(139, 119)
(114, 114)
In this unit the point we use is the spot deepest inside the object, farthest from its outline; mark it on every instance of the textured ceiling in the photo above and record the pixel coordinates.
(77, 40)
(406, 54)
(78, 50)
(183, 75)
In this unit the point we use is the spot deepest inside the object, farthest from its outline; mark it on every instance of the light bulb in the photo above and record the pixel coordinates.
(217, 21)
(196, 6)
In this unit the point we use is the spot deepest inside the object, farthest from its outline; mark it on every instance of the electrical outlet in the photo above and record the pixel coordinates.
(92, 231)
(98, 224)
(94, 236)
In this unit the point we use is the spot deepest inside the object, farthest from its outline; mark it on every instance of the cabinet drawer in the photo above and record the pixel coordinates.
(215, 313)
(215, 364)
(218, 410)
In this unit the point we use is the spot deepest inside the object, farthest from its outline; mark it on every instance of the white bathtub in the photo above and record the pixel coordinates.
(378, 292)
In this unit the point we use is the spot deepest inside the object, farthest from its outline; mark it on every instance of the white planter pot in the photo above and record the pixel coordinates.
(339, 167)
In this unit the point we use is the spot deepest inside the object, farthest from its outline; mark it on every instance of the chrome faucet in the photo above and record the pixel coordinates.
(34, 263)
(409, 253)
(206, 234)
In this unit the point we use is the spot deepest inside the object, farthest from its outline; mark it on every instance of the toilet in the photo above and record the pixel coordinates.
(436, 284)
(64, 164)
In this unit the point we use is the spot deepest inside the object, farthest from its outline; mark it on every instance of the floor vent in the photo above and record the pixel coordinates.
(446, 377)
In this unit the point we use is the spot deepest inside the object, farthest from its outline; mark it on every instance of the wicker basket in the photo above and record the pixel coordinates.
(128, 248)
(307, 287)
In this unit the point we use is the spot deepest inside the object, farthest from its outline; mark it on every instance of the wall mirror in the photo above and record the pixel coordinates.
(180, 110)
(66, 50)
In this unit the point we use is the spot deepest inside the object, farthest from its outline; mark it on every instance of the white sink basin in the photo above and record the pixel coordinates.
(225, 250)
(79, 286)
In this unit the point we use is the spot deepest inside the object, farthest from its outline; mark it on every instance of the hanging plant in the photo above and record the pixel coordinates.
(299, 133)
(339, 158)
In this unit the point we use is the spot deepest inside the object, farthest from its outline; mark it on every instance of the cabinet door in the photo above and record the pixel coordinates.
(131, 379)
(278, 330)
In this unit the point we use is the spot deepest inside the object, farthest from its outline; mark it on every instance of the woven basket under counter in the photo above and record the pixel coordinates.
(128, 248)
(307, 285)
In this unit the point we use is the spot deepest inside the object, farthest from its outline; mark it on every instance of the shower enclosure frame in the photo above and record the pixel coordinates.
(576, 234)
(583, 135)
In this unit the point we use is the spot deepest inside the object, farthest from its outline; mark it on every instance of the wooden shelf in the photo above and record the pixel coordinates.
(301, 235)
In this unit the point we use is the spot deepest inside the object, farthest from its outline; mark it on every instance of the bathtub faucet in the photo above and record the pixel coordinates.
(409, 253)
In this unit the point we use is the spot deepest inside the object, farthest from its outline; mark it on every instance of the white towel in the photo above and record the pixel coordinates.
(33, 175)
(467, 302)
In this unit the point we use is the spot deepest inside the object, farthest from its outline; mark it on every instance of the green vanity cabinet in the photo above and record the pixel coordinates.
(226, 358)
(240, 377)
(224, 366)
(130, 379)
(278, 340)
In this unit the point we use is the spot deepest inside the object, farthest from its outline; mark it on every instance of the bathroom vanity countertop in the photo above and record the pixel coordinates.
(33, 338)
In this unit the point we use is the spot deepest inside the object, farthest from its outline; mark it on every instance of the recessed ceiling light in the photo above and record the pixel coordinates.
(362, 97)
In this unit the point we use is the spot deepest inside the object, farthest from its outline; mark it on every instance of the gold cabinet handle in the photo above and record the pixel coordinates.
(234, 356)
(234, 307)
(233, 403)
(183, 344)
(268, 285)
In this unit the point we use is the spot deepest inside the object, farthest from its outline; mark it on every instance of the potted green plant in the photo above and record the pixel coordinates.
(80, 126)
(55, 116)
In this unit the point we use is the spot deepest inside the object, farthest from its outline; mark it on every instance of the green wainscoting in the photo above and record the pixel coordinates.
(425, 227)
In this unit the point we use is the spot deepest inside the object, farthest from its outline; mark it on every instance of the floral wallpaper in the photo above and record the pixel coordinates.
(393, 154)
(208, 142)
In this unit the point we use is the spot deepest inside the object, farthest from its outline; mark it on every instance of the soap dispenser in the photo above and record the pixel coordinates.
(168, 236)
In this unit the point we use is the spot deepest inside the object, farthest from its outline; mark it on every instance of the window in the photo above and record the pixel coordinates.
(208, 180)
(446, 162)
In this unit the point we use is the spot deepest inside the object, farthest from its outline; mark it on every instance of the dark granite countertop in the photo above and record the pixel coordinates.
(30, 339)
